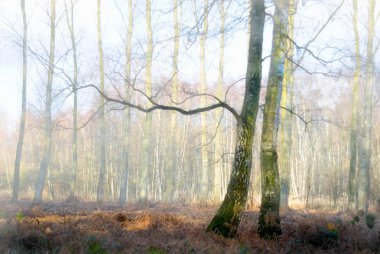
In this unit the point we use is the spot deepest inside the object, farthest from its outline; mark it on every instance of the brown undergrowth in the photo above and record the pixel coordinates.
(80, 227)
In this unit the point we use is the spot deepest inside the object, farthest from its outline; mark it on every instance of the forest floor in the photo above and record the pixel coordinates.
(80, 227)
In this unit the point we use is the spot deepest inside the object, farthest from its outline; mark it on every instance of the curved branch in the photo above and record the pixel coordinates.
(157, 106)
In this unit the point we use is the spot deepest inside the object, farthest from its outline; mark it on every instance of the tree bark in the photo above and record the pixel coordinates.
(269, 219)
(127, 113)
(365, 149)
(227, 218)
(48, 103)
(286, 117)
(175, 87)
(203, 79)
(354, 112)
(20, 143)
(102, 128)
(148, 122)
(74, 156)
(218, 163)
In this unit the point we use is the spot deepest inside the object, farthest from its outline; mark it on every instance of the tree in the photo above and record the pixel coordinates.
(227, 218)
(20, 143)
(203, 81)
(102, 127)
(48, 104)
(217, 195)
(148, 121)
(70, 25)
(175, 90)
(354, 111)
(269, 219)
(127, 113)
(365, 141)
(286, 116)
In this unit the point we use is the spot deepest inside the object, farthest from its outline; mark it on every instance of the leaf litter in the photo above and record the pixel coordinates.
(85, 227)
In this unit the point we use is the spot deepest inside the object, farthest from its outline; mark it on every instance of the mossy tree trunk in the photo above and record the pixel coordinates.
(269, 219)
(20, 143)
(227, 218)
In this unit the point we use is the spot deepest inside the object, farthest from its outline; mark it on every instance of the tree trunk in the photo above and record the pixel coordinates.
(286, 117)
(227, 218)
(365, 149)
(148, 122)
(20, 143)
(70, 24)
(269, 219)
(175, 84)
(102, 128)
(48, 103)
(203, 80)
(127, 113)
(354, 112)
(218, 163)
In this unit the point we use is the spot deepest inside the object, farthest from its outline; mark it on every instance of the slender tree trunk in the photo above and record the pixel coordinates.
(127, 113)
(365, 149)
(227, 218)
(70, 24)
(175, 85)
(269, 219)
(20, 143)
(203, 80)
(148, 122)
(218, 164)
(286, 117)
(354, 112)
(102, 128)
(48, 103)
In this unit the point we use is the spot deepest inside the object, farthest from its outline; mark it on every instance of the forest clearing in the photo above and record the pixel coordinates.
(72, 226)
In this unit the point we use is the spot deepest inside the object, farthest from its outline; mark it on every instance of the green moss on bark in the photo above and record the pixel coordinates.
(269, 218)
(226, 220)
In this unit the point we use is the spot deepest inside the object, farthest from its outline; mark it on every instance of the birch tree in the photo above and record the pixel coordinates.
(286, 116)
(365, 142)
(127, 113)
(48, 104)
(217, 195)
(148, 122)
(175, 90)
(102, 128)
(20, 143)
(269, 219)
(354, 110)
(227, 218)
(203, 81)
(70, 25)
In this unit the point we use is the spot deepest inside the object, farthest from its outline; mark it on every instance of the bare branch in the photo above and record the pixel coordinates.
(157, 106)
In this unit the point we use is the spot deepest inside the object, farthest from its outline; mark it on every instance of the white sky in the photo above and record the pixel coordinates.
(314, 13)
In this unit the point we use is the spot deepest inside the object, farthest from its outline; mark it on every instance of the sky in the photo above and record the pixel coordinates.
(314, 13)
(85, 21)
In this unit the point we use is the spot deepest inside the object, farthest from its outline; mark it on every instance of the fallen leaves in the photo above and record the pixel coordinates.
(176, 229)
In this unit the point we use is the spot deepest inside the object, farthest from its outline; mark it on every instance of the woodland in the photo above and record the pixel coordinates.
(190, 126)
